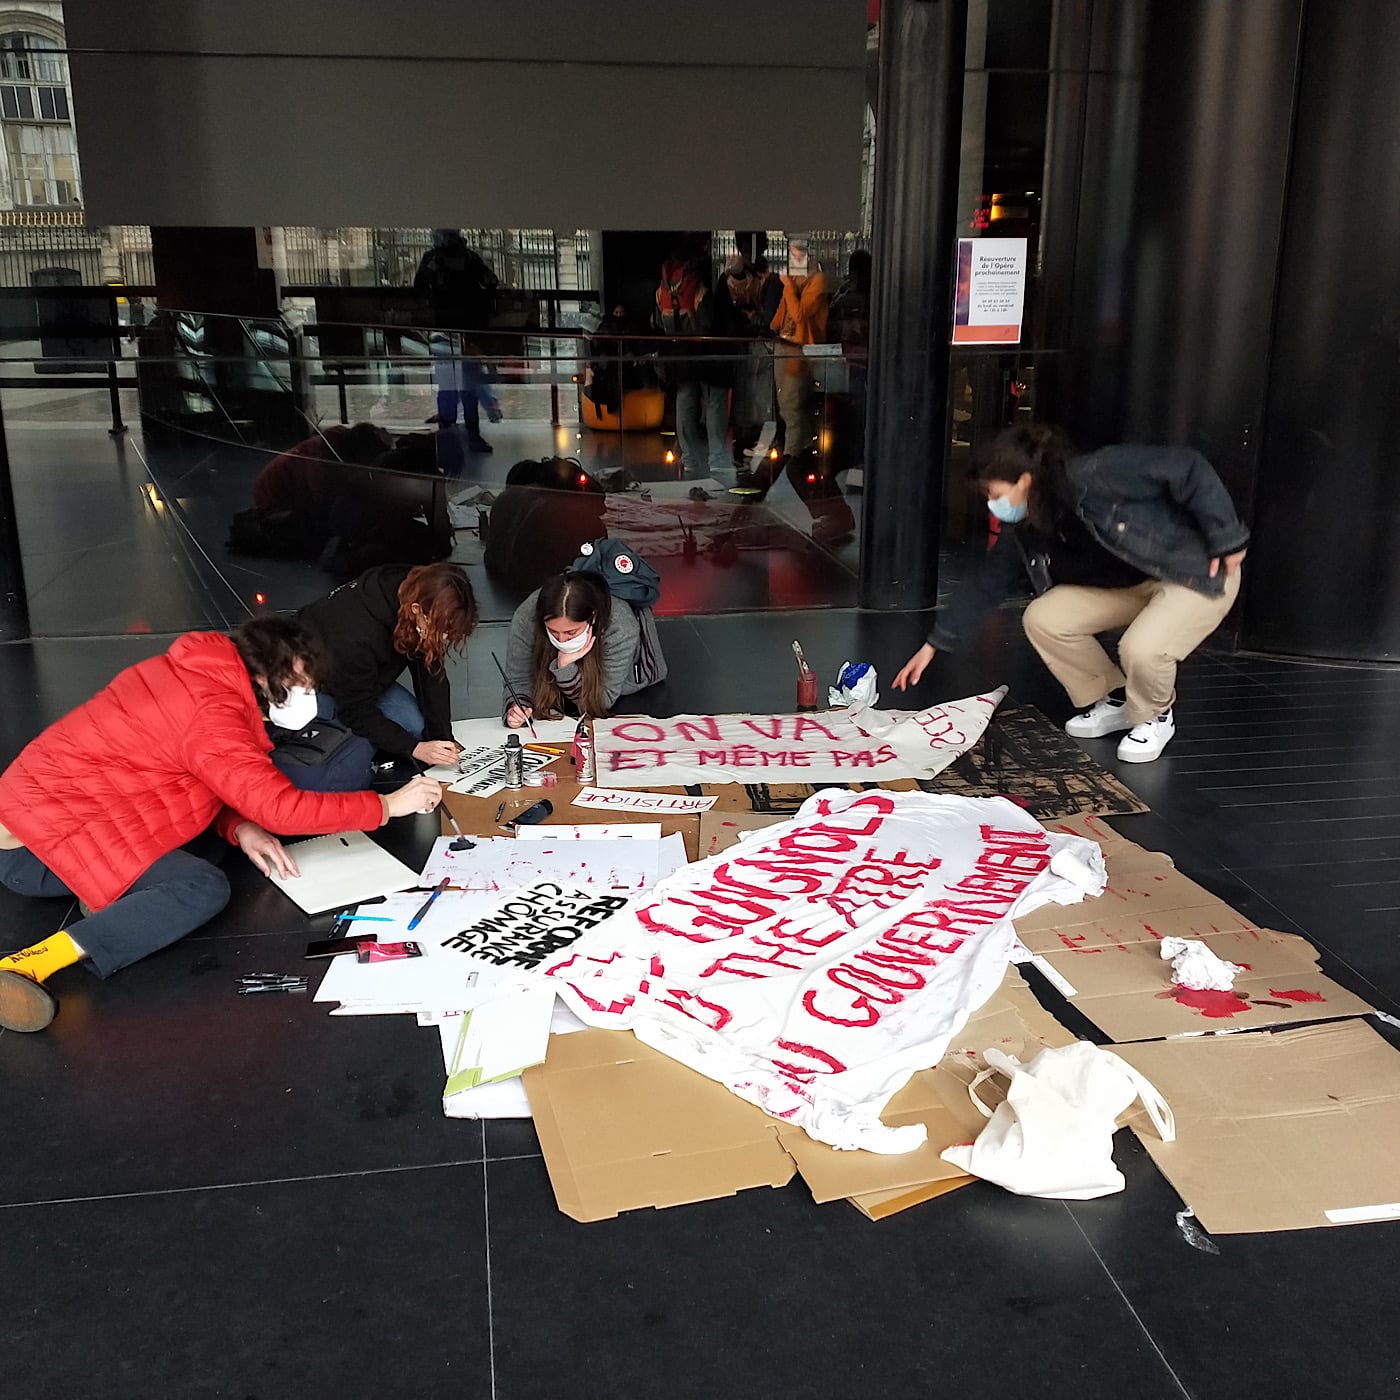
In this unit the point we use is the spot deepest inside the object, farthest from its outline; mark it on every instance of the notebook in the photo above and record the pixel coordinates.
(340, 870)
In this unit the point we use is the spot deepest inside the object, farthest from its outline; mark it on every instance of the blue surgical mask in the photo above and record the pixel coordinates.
(1001, 507)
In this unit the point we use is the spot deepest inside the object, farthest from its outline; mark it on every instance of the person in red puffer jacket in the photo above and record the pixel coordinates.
(100, 803)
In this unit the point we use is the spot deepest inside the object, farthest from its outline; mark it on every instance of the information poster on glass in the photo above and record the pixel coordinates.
(991, 291)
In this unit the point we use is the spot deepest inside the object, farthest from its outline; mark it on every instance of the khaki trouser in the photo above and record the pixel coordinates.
(1165, 623)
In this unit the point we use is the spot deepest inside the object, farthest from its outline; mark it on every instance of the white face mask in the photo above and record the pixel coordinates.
(573, 644)
(296, 711)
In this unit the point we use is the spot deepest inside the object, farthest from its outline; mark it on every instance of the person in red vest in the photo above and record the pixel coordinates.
(99, 805)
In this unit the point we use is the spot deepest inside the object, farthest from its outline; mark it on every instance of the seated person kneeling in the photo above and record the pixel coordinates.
(100, 803)
(575, 649)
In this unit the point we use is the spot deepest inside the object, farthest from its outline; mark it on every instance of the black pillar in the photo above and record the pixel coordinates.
(1323, 574)
(918, 134)
(14, 600)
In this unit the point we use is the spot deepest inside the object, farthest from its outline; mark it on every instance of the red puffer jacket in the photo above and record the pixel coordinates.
(148, 763)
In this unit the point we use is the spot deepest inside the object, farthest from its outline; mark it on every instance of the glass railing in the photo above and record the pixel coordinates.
(269, 460)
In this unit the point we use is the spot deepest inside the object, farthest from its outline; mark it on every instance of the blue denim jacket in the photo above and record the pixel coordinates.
(1161, 509)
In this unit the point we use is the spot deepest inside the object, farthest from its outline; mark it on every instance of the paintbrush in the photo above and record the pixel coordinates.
(529, 719)
(802, 667)
(461, 843)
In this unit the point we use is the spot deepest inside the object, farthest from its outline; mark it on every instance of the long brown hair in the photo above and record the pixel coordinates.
(581, 598)
(1041, 450)
(449, 613)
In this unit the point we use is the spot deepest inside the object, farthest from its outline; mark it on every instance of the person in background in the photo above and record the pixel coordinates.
(800, 320)
(699, 371)
(461, 291)
(390, 619)
(575, 650)
(100, 803)
(459, 371)
(755, 294)
(1142, 538)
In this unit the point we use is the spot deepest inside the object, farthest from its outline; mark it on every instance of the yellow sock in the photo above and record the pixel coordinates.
(41, 960)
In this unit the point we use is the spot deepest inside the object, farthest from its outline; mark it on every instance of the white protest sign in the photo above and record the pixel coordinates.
(533, 924)
(662, 802)
(815, 966)
(497, 865)
(834, 746)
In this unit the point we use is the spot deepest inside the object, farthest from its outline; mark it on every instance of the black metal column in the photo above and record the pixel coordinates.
(14, 600)
(918, 134)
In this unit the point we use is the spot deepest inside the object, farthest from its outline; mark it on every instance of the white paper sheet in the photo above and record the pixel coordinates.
(435, 982)
(507, 1097)
(500, 1038)
(340, 870)
(592, 831)
(631, 801)
(497, 865)
(490, 732)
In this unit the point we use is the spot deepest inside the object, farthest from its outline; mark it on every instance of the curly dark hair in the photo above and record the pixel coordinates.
(272, 646)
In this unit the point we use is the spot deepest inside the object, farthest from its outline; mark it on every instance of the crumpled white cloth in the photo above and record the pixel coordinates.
(1196, 967)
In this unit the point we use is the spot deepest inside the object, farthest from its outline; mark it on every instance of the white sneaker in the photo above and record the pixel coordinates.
(1144, 742)
(1107, 717)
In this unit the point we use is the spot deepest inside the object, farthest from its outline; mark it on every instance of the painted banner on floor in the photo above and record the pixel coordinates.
(816, 965)
(835, 746)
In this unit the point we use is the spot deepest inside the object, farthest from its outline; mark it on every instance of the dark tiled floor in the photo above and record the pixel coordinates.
(210, 1195)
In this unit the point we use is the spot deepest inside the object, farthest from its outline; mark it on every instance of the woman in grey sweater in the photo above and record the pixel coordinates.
(573, 649)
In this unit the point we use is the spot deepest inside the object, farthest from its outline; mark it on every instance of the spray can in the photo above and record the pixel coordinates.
(515, 762)
(584, 766)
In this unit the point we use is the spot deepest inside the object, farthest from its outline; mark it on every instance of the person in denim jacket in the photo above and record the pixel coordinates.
(1141, 538)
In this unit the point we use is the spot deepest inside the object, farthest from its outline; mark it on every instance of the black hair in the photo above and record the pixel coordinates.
(272, 646)
(1040, 450)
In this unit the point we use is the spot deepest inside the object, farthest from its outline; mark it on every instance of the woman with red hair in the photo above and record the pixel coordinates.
(391, 619)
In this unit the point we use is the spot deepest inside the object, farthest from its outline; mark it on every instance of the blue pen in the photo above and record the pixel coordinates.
(365, 919)
(428, 904)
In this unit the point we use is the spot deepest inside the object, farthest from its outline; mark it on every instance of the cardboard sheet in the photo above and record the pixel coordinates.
(623, 1127)
(720, 830)
(1104, 954)
(1284, 1131)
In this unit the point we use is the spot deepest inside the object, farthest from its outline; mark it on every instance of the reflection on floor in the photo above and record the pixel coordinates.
(121, 536)
(224, 1196)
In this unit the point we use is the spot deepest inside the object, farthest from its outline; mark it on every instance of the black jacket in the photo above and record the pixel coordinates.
(356, 625)
(1162, 510)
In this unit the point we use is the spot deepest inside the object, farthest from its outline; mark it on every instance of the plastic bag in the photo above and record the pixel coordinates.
(855, 686)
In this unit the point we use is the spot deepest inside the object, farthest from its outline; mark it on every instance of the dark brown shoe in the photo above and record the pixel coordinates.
(25, 1005)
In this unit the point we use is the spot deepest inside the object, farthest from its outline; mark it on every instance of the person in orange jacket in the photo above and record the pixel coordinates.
(800, 320)
(99, 805)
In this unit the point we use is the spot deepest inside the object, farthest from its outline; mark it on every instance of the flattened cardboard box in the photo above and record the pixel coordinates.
(1104, 955)
(623, 1127)
(1285, 1131)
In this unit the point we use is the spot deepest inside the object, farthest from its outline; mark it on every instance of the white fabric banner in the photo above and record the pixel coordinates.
(832, 747)
(816, 965)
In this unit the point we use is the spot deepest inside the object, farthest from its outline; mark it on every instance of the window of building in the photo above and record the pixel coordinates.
(43, 164)
(37, 117)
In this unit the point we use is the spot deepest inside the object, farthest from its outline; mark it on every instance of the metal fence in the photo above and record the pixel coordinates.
(97, 255)
(527, 258)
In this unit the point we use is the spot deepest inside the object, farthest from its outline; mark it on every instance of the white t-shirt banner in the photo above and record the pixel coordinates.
(816, 965)
(832, 747)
